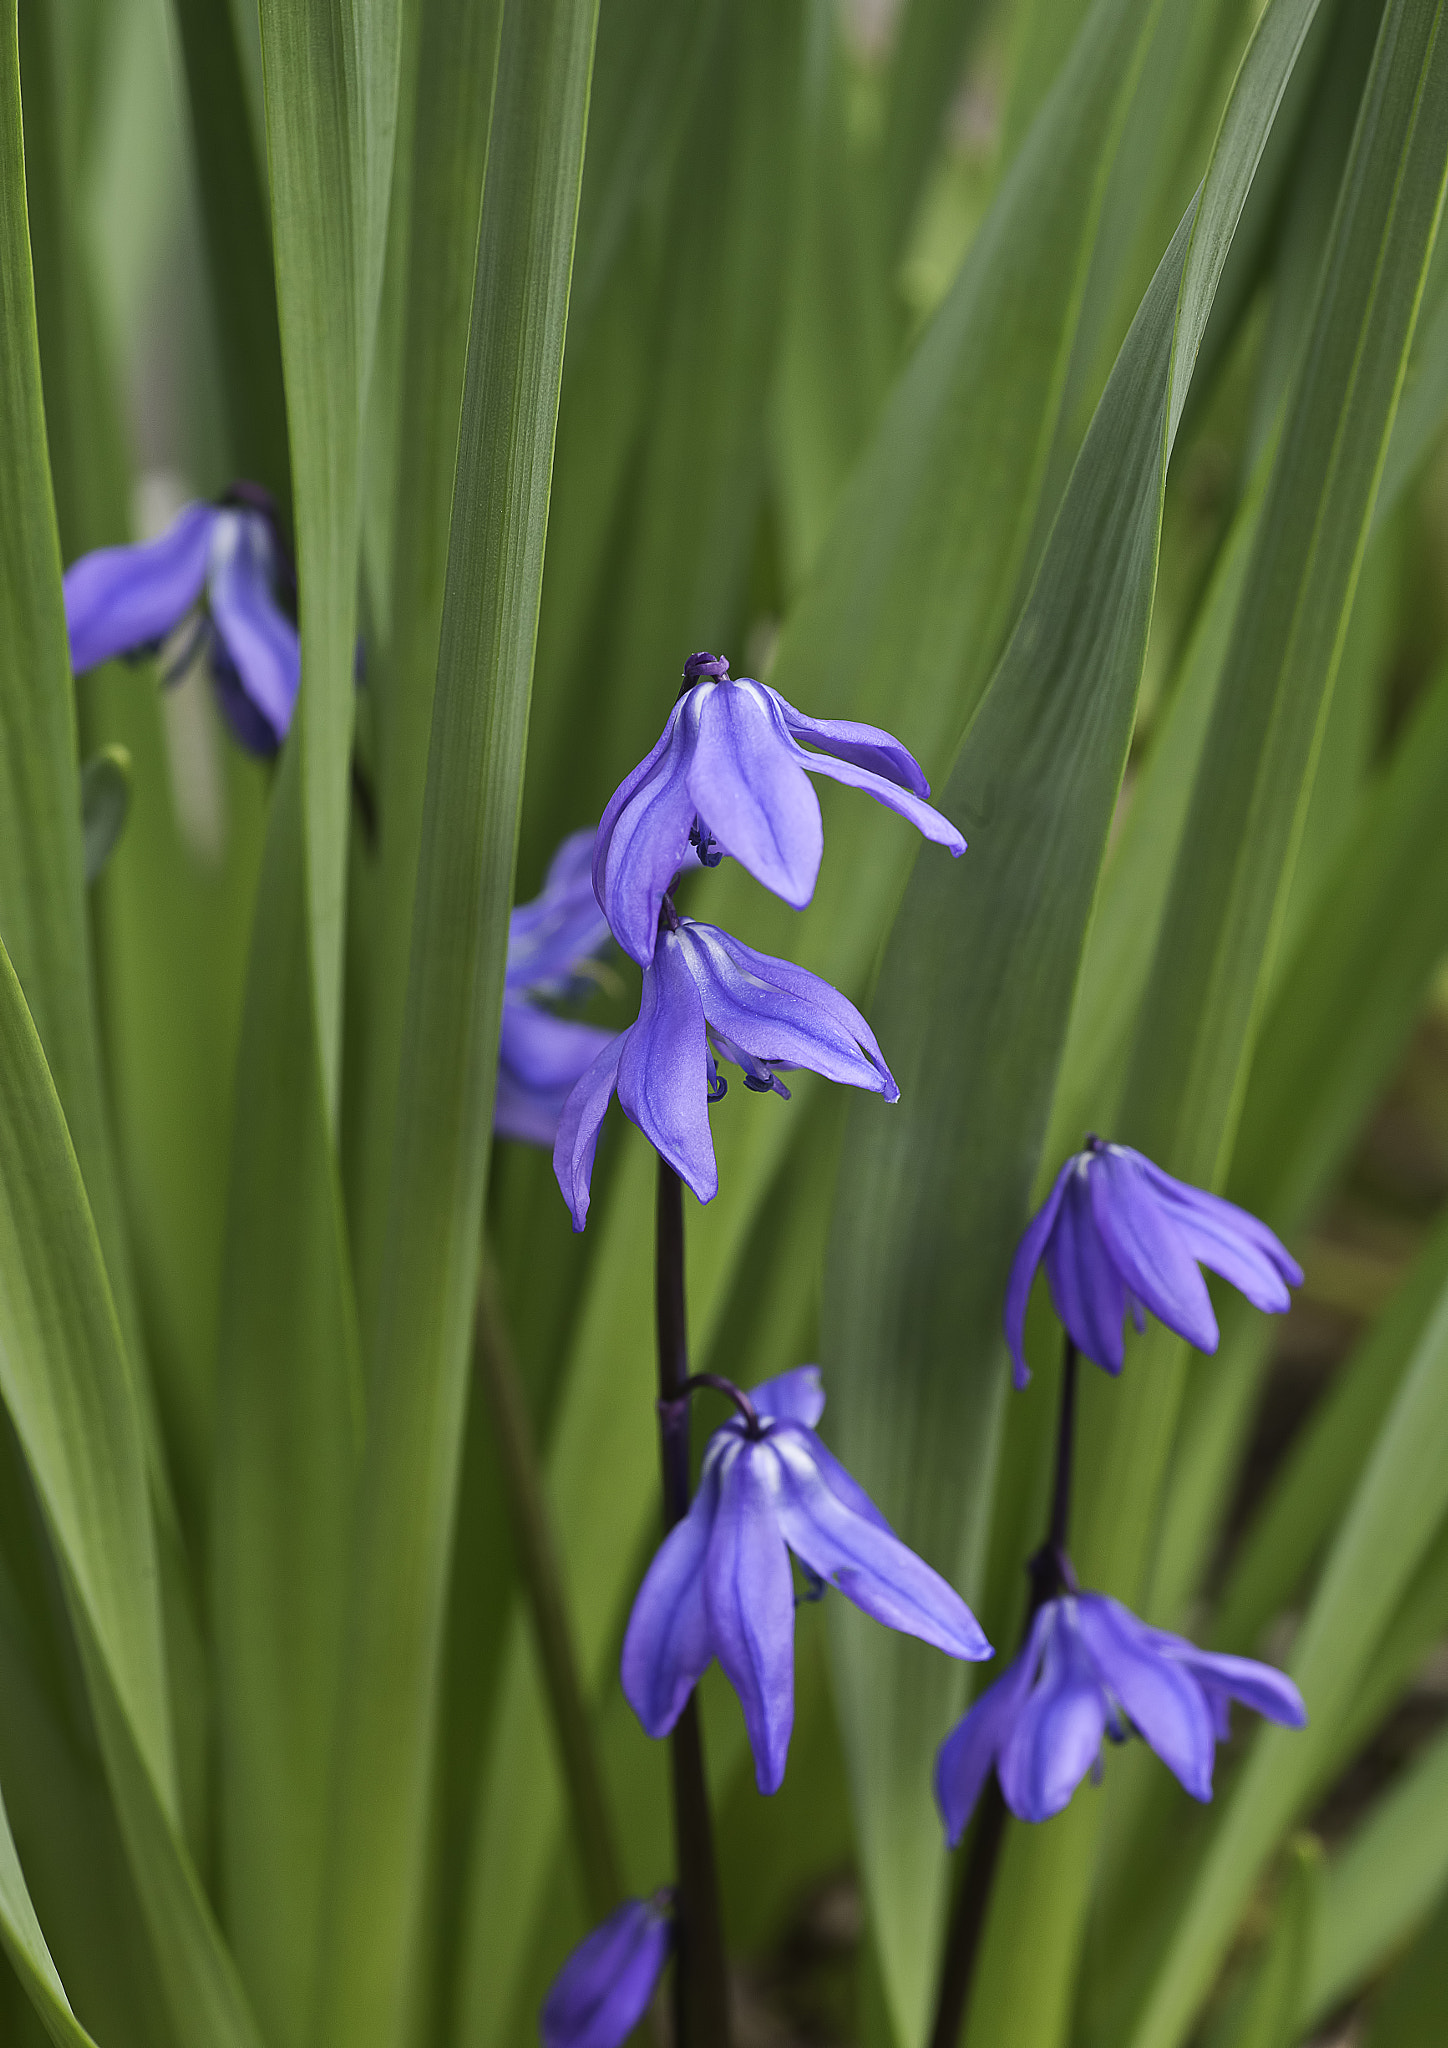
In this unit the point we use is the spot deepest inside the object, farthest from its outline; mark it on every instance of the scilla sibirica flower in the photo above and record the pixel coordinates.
(705, 995)
(729, 774)
(551, 942)
(1091, 1671)
(721, 1584)
(227, 560)
(1117, 1233)
(604, 1988)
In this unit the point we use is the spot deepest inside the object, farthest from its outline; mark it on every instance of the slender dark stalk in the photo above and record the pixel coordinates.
(701, 1983)
(542, 1576)
(1049, 1571)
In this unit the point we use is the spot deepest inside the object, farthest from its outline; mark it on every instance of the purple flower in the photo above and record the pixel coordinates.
(706, 994)
(729, 774)
(1090, 1670)
(226, 559)
(721, 1586)
(604, 1988)
(1117, 1233)
(550, 940)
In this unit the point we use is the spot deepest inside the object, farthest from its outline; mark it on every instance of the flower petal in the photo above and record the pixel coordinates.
(1146, 1247)
(604, 1988)
(753, 796)
(791, 1396)
(644, 834)
(1023, 1273)
(863, 1557)
(1230, 1240)
(1058, 1731)
(260, 642)
(1161, 1698)
(1267, 1691)
(579, 1126)
(563, 925)
(1085, 1285)
(781, 1013)
(866, 746)
(121, 600)
(966, 1757)
(667, 1645)
(885, 789)
(749, 1590)
(663, 1076)
(541, 1058)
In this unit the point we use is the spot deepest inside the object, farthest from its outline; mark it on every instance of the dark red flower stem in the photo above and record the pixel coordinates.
(701, 1981)
(1050, 1574)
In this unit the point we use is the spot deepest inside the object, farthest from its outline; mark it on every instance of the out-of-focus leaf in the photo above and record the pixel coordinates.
(1411, 2013)
(289, 1414)
(1395, 1513)
(42, 882)
(973, 1001)
(1381, 1885)
(418, 1369)
(1267, 2016)
(331, 89)
(933, 42)
(105, 798)
(442, 141)
(238, 245)
(25, 1946)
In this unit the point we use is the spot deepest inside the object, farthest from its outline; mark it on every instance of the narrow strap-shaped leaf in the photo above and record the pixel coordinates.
(42, 882)
(375, 1882)
(973, 1000)
(238, 245)
(1398, 1507)
(63, 1378)
(289, 1415)
(1410, 2012)
(331, 84)
(1382, 1883)
(25, 1945)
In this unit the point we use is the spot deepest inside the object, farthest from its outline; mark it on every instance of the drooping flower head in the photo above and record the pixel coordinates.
(708, 997)
(227, 565)
(721, 1584)
(551, 943)
(1117, 1233)
(604, 1988)
(1091, 1671)
(729, 775)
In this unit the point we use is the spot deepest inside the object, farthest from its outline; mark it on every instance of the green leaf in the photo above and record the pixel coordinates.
(451, 55)
(1411, 2013)
(1268, 2014)
(289, 1426)
(417, 1379)
(973, 1001)
(105, 798)
(25, 1946)
(237, 239)
(1382, 1884)
(331, 89)
(1394, 1516)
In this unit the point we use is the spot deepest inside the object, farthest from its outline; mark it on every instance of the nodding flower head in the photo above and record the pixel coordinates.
(223, 565)
(729, 775)
(1117, 1233)
(1092, 1672)
(721, 1586)
(707, 997)
(552, 942)
(605, 1987)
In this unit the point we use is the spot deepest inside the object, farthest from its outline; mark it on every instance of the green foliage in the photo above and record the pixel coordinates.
(1061, 388)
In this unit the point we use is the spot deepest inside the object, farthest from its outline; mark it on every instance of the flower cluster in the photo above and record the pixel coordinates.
(225, 568)
(728, 776)
(1117, 1236)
